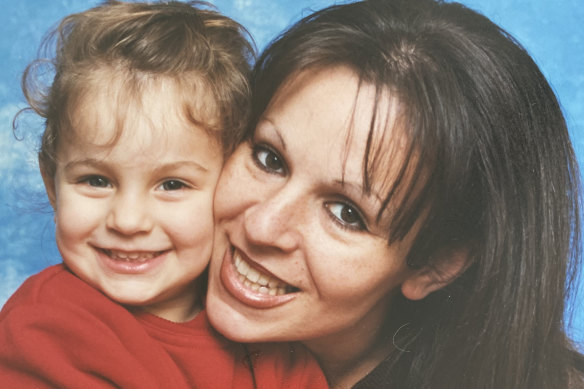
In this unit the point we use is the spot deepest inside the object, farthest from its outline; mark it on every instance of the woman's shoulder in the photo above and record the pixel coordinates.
(379, 377)
(576, 378)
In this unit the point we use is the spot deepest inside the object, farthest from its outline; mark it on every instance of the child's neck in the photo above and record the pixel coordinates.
(179, 310)
(176, 314)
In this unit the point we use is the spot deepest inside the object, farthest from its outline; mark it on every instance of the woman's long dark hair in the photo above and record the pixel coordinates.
(490, 167)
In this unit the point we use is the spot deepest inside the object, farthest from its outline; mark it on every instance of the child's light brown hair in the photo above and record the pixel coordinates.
(189, 42)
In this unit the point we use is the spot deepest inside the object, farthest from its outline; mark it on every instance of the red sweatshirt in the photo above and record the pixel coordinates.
(56, 331)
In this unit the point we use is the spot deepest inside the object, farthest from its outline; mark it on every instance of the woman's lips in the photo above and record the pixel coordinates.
(258, 281)
(252, 286)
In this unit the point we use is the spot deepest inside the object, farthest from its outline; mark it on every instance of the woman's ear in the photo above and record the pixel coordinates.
(49, 181)
(431, 278)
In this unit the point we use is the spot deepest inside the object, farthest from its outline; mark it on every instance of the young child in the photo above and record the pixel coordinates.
(145, 102)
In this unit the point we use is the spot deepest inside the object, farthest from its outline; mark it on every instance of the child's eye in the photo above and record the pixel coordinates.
(345, 215)
(97, 181)
(171, 185)
(268, 160)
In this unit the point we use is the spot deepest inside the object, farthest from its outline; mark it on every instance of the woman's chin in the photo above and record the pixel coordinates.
(233, 324)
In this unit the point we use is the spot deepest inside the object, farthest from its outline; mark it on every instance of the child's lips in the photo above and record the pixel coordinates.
(131, 256)
(131, 262)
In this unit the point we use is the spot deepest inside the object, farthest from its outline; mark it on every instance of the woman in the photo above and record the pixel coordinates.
(406, 204)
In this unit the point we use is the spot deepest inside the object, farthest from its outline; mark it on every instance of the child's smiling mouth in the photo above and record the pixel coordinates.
(138, 256)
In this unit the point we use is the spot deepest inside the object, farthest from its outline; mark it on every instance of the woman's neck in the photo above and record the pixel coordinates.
(347, 357)
(344, 373)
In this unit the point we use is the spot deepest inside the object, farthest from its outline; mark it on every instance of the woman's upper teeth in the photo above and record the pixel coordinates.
(257, 281)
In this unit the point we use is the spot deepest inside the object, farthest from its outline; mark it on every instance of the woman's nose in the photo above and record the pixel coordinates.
(129, 214)
(276, 220)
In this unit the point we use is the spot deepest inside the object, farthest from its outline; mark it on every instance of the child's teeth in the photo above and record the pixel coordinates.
(133, 256)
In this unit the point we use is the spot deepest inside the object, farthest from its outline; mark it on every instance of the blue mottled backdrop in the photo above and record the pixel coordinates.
(551, 30)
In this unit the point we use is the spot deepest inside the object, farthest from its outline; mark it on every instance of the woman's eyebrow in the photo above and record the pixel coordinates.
(274, 128)
(358, 188)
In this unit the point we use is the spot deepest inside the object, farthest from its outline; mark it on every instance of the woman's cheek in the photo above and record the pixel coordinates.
(232, 188)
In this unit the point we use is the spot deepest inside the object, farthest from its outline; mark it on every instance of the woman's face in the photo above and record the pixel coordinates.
(299, 254)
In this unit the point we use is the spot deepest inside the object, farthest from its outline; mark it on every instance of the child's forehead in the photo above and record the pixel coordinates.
(129, 102)
(149, 90)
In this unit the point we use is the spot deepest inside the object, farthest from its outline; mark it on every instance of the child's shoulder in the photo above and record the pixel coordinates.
(58, 331)
(61, 294)
(52, 285)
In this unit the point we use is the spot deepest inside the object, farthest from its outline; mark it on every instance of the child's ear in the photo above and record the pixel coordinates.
(429, 279)
(49, 181)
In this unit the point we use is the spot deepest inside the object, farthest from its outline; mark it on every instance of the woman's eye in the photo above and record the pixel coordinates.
(97, 181)
(268, 160)
(172, 185)
(346, 215)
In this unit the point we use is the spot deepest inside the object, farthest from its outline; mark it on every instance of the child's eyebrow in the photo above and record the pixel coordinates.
(99, 163)
(179, 164)
(92, 162)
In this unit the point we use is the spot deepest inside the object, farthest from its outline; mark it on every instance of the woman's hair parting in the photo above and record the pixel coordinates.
(489, 171)
(187, 41)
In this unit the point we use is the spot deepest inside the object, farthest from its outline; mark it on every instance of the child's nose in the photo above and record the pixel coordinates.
(129, 214)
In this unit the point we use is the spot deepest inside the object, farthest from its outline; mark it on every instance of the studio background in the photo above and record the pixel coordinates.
(550, 30)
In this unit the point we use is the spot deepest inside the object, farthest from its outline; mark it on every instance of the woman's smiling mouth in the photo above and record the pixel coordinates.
(261, 282)
(252, 286)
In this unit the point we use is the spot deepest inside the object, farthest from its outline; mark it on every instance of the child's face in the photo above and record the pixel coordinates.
(135, 218)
